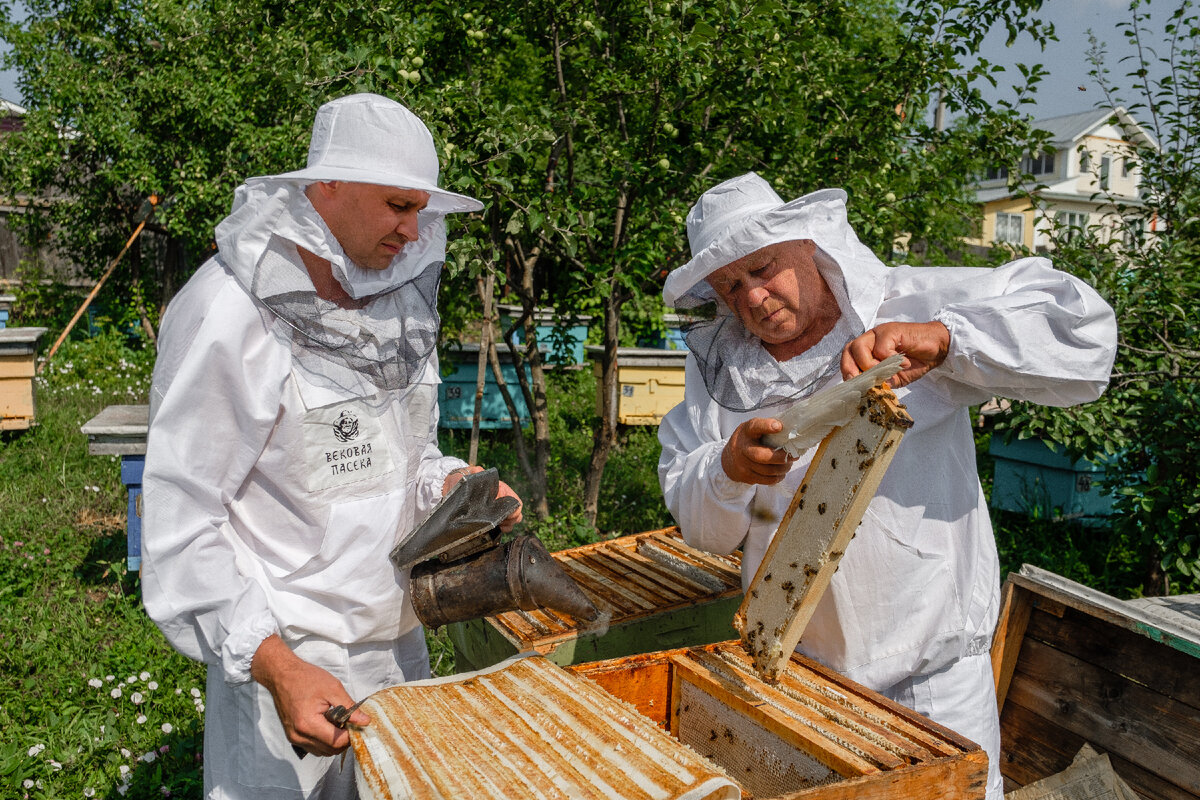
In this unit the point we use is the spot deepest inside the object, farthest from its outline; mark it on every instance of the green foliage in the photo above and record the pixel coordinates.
(631, 500)
(1149, 419)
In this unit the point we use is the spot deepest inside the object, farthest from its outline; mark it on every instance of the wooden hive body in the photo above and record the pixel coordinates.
(18, 396)
(1074, 666)
(654, 592)
(811, 734)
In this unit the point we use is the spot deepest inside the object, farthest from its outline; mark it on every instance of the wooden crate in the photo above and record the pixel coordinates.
(814, 734)
(654, 591)
(18, 394)
(1076, 666)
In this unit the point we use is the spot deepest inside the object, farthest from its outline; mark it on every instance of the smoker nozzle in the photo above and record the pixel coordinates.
(519, 574)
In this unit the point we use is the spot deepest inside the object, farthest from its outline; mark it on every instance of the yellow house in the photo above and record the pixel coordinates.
(1086, 171)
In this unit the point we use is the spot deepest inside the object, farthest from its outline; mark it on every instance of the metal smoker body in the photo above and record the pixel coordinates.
(461, 570)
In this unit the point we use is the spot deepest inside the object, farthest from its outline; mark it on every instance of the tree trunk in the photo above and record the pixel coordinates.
(605, 436)
(485, 346)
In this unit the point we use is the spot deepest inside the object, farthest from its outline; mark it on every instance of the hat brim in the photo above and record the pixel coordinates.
(738, 240)
(440, 200)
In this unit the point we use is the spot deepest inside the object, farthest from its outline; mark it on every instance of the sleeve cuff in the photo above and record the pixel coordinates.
(726, 489)
(241, 644)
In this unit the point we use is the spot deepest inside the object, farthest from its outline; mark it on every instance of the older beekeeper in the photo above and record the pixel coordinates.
(292, 445)
(800, 304)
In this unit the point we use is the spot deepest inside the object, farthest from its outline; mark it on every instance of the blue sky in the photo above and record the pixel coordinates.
(1065, 59)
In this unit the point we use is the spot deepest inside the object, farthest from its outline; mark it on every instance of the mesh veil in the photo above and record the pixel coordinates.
(387, 341)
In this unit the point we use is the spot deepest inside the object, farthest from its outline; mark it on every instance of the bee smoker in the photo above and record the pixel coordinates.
(460, 568)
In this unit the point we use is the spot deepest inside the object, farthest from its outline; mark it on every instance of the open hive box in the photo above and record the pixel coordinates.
(744, 718)
(653, 591)
(1074, 666)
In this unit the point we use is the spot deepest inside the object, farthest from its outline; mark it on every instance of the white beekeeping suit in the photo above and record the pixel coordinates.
(912, 608)
(293, 444)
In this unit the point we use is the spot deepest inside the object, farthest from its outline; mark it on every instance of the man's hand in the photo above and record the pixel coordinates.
(503, 491)
(923, 344)
(746, 459)
(302, 692)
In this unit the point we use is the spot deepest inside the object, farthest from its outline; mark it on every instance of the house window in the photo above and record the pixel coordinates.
(1085, 160)
(1071, 224)
(1010, 228)
(1126, 166)
(1105, 169)
(1041, 164)
(995, 173)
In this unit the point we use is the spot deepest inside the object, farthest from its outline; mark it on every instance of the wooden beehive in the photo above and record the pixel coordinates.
(1074, 666)
(780, 725)
(654, 592)
(18, 354)
(650, 383)
(812, 734)
(120, 430)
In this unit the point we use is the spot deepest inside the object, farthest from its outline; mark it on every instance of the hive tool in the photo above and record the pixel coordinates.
(461, 570)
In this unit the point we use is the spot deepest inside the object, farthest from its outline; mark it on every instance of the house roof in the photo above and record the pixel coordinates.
(1069, 128)
(11, 109)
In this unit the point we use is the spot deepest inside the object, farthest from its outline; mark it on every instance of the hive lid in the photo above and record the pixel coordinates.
(820, 521)
(523, 728)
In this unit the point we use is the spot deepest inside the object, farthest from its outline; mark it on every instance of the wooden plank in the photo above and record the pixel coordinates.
(842, 724)
(630, 573)
(16, 398)
(960, 778)
(812, 537)
(937, 738)
(1033, 748)
(644, 683)
(1010, 629)
(1107, 608)
(1119, 716)
(1121, 651)
(17, 366)
(837, 756)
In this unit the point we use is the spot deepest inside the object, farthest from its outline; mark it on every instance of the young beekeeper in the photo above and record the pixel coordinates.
(292, 445)
(800, 304)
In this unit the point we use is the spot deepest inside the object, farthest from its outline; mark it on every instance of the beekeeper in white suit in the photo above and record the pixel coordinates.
(800, 303)
(293, 444)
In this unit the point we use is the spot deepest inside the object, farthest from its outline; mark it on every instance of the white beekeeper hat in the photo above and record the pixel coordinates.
(741, 215)
(368, 138)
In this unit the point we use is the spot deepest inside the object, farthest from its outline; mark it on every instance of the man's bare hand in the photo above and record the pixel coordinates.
(746, 459)
(302, 692)
(504, 490)
(923, 344)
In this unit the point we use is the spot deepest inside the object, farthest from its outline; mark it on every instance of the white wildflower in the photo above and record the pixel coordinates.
(194, 692)
(152, 685)
(135, 698)
(141, 720)
(115, 693)
(148, 757)
(95, 683)
(28, 784)
(89, 792)
(123, 770)
(144, 675)
(167, 727)
(37, 748)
